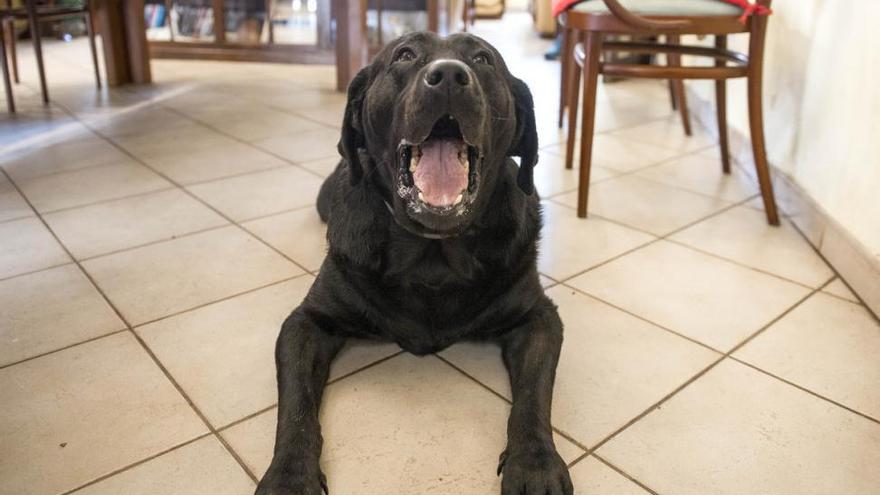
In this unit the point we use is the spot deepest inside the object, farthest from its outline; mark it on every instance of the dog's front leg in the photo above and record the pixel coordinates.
(530, 463)
(303, 355)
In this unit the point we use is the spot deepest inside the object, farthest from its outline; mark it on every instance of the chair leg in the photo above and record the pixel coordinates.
(592, 54)
(678, 86)
(756, 115)
(90, 29)
(7, 84)
(38, 47)
(672, 95)
(721, 107)
(565, 63)
(9, 26)
(574, 90)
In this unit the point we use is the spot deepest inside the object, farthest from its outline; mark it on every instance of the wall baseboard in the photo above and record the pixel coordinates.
(853, 261)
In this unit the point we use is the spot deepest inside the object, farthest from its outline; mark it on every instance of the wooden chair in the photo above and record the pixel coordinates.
(35, 14)
(595, 19)
(569, 80)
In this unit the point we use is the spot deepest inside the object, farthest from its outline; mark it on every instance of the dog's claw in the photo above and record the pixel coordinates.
(323, 480)
(501, 460)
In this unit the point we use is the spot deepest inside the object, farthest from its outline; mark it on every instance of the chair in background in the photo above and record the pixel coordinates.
(595, 19)
(570, 79)
(35, 15)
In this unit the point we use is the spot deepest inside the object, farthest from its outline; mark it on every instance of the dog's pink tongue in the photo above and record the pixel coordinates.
(440, 176)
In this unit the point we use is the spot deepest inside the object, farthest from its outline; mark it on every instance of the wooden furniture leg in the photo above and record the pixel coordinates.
(592, 54)
(7, 84)
(721, 107)
(38, 47)
(90, 29)
(574, 90)
(672, 95)
(351, 41)
(756, 115)
(9, 27)
(566, 64)
(680, 98)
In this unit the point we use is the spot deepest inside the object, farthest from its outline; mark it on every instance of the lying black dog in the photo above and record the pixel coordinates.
(432, 230)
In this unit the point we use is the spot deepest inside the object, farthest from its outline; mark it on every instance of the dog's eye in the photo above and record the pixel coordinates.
(482, 58)
(405, 55)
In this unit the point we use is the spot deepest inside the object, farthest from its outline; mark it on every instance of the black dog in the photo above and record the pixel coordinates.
(432, 230)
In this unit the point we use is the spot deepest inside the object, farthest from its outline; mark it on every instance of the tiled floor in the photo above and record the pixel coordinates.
(152, 240)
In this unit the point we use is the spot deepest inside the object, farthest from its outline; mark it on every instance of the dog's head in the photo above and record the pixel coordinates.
(432, 121)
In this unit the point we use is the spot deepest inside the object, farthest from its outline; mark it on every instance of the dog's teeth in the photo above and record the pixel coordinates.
(421, 197)
(413, 163)
(458, 199)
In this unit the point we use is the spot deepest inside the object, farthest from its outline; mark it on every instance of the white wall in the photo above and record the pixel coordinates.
(822, 107)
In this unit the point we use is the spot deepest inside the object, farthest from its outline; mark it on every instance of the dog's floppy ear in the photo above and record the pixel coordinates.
(525, 142)
(352, 139)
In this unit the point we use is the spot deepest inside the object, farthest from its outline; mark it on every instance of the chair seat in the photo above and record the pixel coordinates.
(698, 8)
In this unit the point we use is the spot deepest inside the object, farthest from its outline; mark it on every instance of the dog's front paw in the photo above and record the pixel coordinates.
(531, 472)
(293, 484)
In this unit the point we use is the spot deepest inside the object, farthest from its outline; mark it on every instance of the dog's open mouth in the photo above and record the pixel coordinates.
(440, 173)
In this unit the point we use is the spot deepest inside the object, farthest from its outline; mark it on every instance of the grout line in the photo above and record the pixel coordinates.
(240, 140)
(702, 372)
(216, 301)
(24, 274)
(153, 243)
(655, 240)
(64, 348)
(642, 318)
(805, 389)
(135, 464)
(189, 193)
(135, 335)
(109, 200)
(624, 474)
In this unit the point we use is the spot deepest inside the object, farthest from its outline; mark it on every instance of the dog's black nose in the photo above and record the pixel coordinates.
(443, 72)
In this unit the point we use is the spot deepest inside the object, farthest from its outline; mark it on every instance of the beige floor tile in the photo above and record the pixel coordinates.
(261, 193)
(162, 142)
(570, 245)
(742, 234)
(48, 310)
(592, 477)
(839, 289)
(263, 124)
(689, 292)
(667, 133)
(12, 205)
(234, 158)
(62, 157)
(114, 225)
(141, 121)
(618, 154)
(331, 115)
(89, 185)
(405, 437)
(84, 412)
(703, 175)
(160, 279)
(646, 205)
(736, 430)
(323, 167)
(236, 339)
(27, 246)
(303, 146)
(612, 368)
(551, 176)
(299, 234)
(203, 467)
(827, 345)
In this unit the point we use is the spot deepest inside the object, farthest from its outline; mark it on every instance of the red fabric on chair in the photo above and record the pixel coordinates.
(749, 8)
